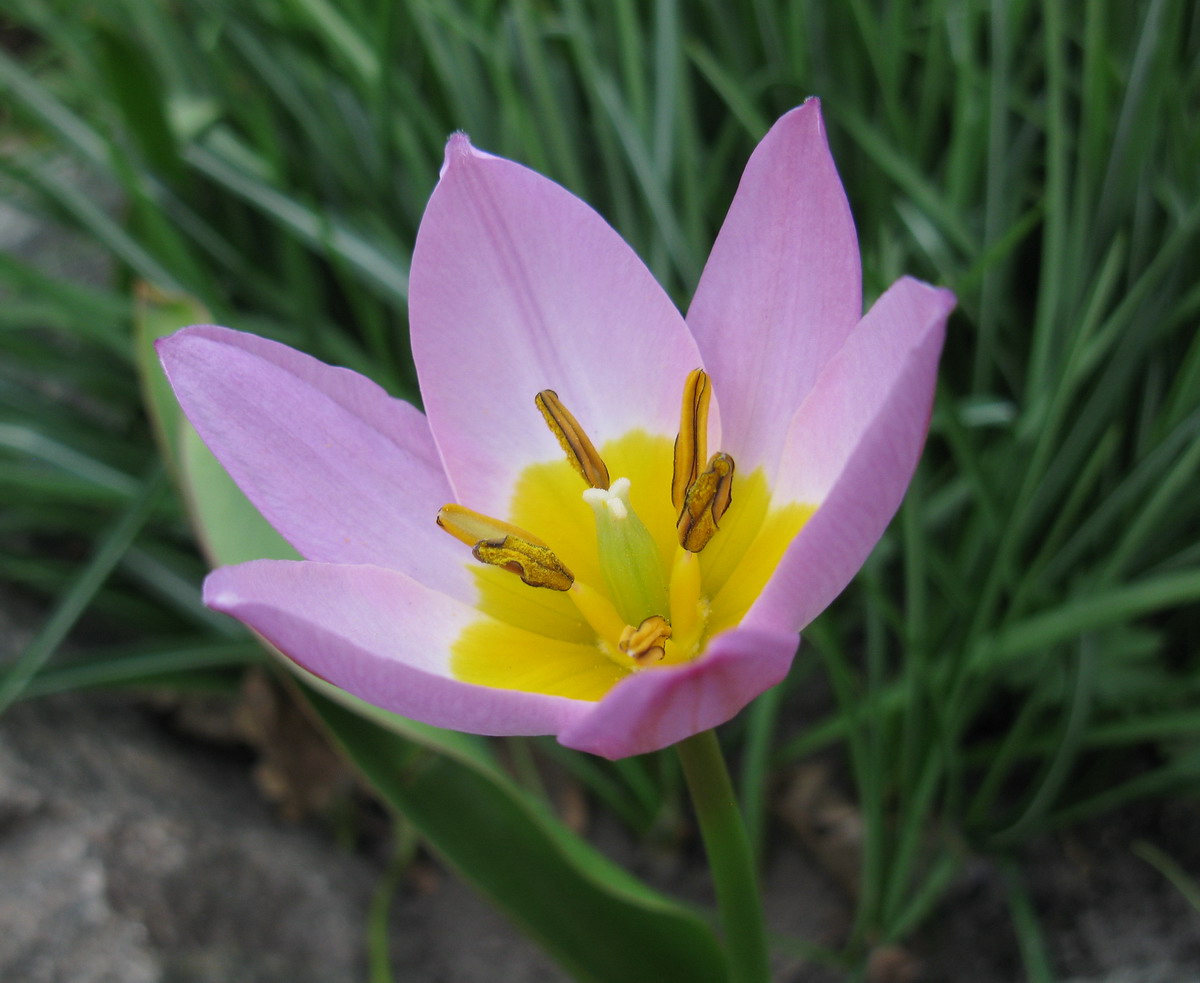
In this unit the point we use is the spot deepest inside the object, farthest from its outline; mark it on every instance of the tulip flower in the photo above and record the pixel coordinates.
(610, 523)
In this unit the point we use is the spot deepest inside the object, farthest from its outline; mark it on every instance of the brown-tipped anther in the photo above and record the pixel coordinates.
(707, 499)
(580, 451)
(504, 545)
(537, 566)
(691, 446)
(646, 643)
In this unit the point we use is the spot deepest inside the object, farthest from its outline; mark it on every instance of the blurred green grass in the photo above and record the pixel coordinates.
(1020, 652)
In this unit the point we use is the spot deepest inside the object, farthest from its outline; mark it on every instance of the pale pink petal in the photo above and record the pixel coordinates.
(853, 447)
(518, 286)
(345, 472)
(659, 707)
(399, 420)
(782, 288)
(381, 636)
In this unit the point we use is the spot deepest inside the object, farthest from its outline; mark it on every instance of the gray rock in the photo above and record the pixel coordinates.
(125, 858)
(128, 855)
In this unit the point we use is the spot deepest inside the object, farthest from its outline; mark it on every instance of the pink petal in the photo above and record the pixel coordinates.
(782, 288)
(518, 286)
(381, 636)
(853, 447)
(345, 472)
(658, 707)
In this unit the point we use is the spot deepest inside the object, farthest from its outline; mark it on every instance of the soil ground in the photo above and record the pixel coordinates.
(133, 853)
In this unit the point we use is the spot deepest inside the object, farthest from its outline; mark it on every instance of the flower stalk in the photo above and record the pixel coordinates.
(730, 858)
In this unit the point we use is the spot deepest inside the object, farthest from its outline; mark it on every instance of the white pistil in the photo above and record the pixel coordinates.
(629, 557)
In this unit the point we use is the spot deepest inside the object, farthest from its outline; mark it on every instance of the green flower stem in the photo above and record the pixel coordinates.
(729, 856)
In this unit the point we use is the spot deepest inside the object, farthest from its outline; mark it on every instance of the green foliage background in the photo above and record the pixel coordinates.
(1018, 655)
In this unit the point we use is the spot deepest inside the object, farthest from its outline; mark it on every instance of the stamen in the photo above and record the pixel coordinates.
(580, 451)
(535, 565)
(691, 446)
(647, 642)
(504, 545)
(707, 499)
(468, 526)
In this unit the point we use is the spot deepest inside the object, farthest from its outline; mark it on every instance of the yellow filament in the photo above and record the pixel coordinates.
(472, 527)
(580, 451)
(598, 611)
(691, 446)
(687, 609)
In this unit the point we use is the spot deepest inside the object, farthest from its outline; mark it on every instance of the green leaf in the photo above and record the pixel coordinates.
(598, 921)
(1096, 611)
(230, 529)
(139, 94)
(75, 599)
(157, 315)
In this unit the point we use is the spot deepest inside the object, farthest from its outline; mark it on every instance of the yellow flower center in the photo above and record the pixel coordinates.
(627, 575)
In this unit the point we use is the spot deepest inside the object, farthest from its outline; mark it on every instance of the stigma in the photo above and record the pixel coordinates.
(649, 610)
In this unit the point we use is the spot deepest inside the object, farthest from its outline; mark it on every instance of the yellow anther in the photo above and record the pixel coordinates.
(502, 544)
(471, 527)
(646, 643)
(706, 501)
(580, 451)
(537, 566)
(691, 446)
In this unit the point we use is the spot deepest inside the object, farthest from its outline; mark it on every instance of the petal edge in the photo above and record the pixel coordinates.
(853, 447)
(660, 707)
(382, 637)
(345, 472)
